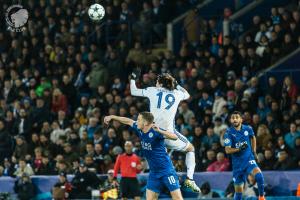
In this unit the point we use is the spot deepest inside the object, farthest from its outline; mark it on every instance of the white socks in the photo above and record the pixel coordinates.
(190, 164)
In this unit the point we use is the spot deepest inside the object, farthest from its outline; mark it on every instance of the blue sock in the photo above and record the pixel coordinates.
(260, 183)
(238, 196)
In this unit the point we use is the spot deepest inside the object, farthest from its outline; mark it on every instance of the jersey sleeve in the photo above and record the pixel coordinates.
(251, 132)
(158, 135)
(227, 139)
(140, 92)
(134, 90)
(183, 92)
(148, 92)
(135, 129)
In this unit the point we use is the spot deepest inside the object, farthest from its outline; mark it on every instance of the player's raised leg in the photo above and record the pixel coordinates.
(260, 182)
(190, 163)
(182, 144)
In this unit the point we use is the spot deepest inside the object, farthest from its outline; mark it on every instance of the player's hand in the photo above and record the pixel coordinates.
(156, 128)
(243, 146)
(107, 119)
(136, 73)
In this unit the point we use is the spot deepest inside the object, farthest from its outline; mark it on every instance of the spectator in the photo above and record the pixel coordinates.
(8, 168)
(98, 76)
(62, 189)
(210, 158)
(21, 148)
(206, 101)
(41, 113)
(56, 133)
(46, 167)
(23, 168)
(59, 101)
(219, 103)
(269, 160)
(110, 181)
(22, 125)
(210, 138)
(24, 187)
(69, 154)
(206, 192)
(290, 88)
(5, 141)
(290, 137)
(186, 112)
(281, 146)
(90, 164)
(83, 183)
(69, 90)
(263, 136)
(273, 88)
(219, 126)
(220, 165)
(284, 162)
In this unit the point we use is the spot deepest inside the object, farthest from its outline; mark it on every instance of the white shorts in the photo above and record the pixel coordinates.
(181, 144)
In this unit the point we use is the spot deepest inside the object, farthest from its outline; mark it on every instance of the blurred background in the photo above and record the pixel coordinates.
(63, 73)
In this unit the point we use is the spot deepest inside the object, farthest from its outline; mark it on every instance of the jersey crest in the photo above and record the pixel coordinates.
(150, 135)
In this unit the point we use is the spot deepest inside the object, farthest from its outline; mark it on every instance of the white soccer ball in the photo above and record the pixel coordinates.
(96, 12)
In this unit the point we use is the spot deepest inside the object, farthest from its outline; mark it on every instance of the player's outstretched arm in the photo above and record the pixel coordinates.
(134, 90)
(166, 134)
(122, 120)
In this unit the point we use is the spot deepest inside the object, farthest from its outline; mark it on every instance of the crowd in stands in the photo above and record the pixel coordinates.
(59, 78)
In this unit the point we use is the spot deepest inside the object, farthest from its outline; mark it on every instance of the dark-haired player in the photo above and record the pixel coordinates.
(164, 100)
(240, 143)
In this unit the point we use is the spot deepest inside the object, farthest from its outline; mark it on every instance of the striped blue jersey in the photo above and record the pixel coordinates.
(235, 138)
(154, 150)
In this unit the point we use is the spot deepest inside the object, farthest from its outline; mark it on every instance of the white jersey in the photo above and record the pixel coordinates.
(163, 103)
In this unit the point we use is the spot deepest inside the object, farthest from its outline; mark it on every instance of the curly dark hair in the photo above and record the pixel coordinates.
(167, 81)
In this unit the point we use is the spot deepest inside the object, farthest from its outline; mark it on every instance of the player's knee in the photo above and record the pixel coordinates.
(238, 188)
(176, 195)
(259, 177)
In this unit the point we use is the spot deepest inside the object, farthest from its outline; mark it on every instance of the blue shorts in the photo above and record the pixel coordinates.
(157, 183)
(240, 175)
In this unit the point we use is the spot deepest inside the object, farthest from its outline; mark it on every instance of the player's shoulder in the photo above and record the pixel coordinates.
(151, 88)
(247, 127)
(229, 130)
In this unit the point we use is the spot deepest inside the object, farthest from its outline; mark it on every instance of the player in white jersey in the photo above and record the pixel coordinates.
(164, 100)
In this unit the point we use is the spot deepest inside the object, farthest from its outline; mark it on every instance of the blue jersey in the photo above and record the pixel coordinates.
(154, 150)
(234, 138)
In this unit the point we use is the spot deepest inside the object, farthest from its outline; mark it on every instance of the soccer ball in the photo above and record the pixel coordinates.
(96, 12)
